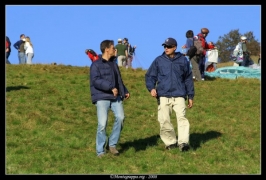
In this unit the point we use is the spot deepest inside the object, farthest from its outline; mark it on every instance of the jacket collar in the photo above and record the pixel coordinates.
(177, 55)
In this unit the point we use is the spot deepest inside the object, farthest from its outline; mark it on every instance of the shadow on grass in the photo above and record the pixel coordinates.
(140, 144)
(208, 78)
(196, 139)
(12, 88)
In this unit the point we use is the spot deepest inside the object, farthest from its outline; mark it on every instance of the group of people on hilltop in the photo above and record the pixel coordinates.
(198, 61)
(124, 53)
(169, 80)
(24, 47)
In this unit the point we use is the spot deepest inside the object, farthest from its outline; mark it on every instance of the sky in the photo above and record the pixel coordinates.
(61, 33)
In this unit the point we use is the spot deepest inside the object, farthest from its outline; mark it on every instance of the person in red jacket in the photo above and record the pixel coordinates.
(7, 52)
(202, 36)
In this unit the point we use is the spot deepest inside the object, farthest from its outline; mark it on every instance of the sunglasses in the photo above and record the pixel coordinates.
(168, 47)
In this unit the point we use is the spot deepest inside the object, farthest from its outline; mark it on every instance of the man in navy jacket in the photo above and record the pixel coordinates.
(107, 92)
(169, 79)
(19, 45)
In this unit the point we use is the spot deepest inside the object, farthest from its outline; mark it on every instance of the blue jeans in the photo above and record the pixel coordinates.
(7, 55)
(103, 107)
(29, 58)
(22, 58)
(202, 66)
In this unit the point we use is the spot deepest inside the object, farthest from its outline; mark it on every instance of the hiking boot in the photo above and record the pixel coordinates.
(172, 146)
(113, 151)
(101, 155)
(183, 147)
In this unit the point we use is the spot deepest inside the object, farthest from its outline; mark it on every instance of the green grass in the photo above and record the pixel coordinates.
(51, 126)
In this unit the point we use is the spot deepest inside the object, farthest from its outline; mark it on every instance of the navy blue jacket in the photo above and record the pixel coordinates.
(102, 81)
(170, 77)
(17, 44)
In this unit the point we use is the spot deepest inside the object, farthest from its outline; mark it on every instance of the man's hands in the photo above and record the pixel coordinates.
(190, 103)
(153, 93)
(127, 96)
(115, 92)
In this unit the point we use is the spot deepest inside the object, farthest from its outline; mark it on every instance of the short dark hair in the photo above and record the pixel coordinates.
(22, 35)
(189, 34)
(106, 44)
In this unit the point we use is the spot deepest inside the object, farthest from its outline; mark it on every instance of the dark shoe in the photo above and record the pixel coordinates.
(113, 151)
(183, 147)
(172, 146)
(101, 155)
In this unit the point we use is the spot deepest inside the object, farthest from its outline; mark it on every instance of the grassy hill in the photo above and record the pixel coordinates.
(51, 126)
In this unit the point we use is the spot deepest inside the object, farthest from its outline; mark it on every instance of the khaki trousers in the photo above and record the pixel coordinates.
(167, 132)
(121, 59)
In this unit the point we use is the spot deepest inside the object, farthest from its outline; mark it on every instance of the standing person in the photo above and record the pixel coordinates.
(169, 79)
(131, 51)
(19, 45)
(121, 53)
(242, 53)
(201, 58)
(107, 92)
(193, 59)
(9, 49)
(28, 46)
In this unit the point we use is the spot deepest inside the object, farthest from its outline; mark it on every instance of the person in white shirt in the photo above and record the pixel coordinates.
(28, 50)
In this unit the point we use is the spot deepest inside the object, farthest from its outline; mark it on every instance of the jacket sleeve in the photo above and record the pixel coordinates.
(16, 45)
(151, 76)
(189, 81)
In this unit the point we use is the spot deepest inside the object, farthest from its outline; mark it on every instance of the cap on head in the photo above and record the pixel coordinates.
(205, 30)
(170, 42)
(243, 38)
(126, 39)
(119, 40)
